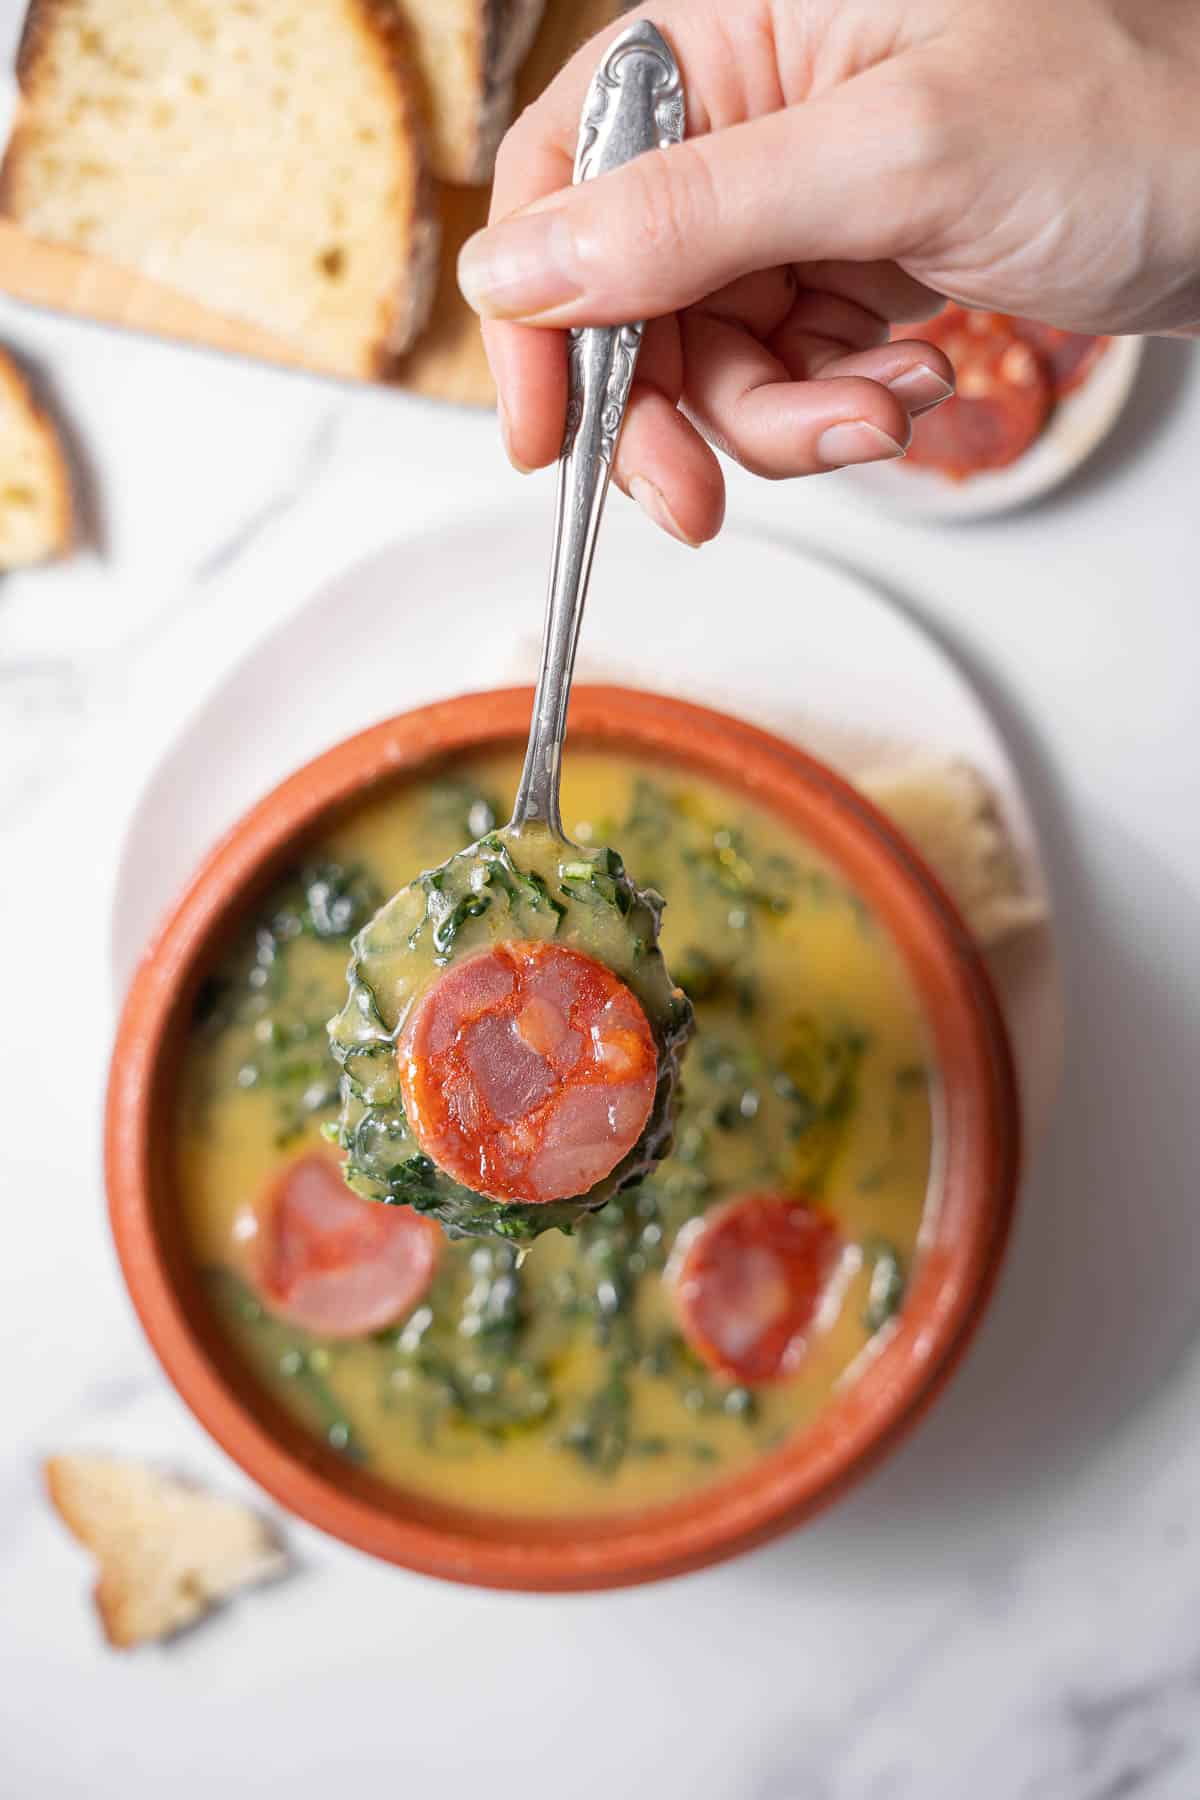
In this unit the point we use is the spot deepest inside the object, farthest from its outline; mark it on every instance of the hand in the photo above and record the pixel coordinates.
(850, 163)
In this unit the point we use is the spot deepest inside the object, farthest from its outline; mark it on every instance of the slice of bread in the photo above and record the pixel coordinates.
(947, 812)
(449, 362)
(167, 1551)
(468, 53)
(35, 479)
(263, 157)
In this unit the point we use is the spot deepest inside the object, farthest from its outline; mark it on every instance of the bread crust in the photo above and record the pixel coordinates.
(134, 1603)
(35, 33)
(382, 23)
(34, 43)
(106, 1594)
(60, 499)
(378, 22)
(510, 27)
(497, 35)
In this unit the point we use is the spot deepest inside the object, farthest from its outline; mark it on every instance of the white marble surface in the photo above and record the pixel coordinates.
(1009, 1608)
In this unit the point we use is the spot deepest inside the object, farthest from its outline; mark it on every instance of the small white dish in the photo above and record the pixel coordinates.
(1078, 425)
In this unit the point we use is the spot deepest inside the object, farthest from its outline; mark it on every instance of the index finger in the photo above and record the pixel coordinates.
(537, 159)
(537, 155)
(528, 366)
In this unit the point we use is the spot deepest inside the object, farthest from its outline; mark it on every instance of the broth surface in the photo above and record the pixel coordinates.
(560, 1383)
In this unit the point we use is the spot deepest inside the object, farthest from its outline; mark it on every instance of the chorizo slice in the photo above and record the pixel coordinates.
(1067, 356)
(749, 1282)
(528, 1072)
(323, 1258)
(1001, 402)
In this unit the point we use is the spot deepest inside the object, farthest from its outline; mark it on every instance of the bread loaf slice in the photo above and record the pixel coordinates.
(263, 157)
(35, 480)
(449, 362)
(167, 1551)
(950, 817)
(467, 54)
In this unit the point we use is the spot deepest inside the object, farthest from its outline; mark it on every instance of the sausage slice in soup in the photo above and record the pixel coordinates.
(750, 1281)
(323, 1258)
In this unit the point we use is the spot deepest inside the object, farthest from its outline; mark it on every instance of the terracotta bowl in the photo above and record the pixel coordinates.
(977, 1173)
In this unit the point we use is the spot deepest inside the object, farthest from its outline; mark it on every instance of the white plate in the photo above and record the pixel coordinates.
(1078, 425)
(780, 638)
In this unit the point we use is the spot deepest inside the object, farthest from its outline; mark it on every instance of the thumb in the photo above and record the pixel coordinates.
(852, 176)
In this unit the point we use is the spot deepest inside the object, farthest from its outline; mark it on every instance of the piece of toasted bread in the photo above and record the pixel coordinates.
(449, 362)
(35, 480)
(947, 812)
(467, 53)
(263, 157)
(167, 1551)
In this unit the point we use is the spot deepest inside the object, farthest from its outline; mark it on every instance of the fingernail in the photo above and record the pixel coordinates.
(650, 499)
(920, 388)
(855, 442)
(520, 267)
(506, 440)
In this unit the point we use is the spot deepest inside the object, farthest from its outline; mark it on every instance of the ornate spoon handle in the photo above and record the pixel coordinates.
(634, 104)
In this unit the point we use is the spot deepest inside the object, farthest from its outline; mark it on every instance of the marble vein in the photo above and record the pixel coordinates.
(315, 455)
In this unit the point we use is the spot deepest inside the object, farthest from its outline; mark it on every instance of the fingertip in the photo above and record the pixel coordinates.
(529, 370)
(786, 429)
(924, 380)
(667, 468)
(855, 441)
(506, 438)
(861, 398)
(703, 509)
(653, 502)
(919, 390)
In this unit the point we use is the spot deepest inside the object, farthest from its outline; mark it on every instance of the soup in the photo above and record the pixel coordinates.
(559, 1380)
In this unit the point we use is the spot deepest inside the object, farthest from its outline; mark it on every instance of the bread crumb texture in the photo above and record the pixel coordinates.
(167, 1551)
(467, 54)
(949, 816)
(35, 481)
(263, 157)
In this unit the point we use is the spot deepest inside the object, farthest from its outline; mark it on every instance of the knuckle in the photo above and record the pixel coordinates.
(923, 123)
(764, 461)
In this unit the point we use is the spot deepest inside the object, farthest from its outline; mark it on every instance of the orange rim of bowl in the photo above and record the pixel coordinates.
(963, 1241)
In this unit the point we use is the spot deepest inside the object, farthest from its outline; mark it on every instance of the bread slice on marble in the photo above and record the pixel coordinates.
(467, 54)
(950, 817)
(167, 1551)
(265, 159)
(36, 509)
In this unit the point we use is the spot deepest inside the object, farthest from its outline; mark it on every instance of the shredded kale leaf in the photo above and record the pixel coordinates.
(438, 909)
(460, 811)
(302, 1362)
(281, 1019)
(599, 1432)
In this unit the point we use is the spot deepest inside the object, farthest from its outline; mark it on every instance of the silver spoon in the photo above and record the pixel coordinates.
(527, 880)
(634, 104)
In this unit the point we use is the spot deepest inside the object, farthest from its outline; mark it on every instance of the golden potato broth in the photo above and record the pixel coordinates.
(807, 1074)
